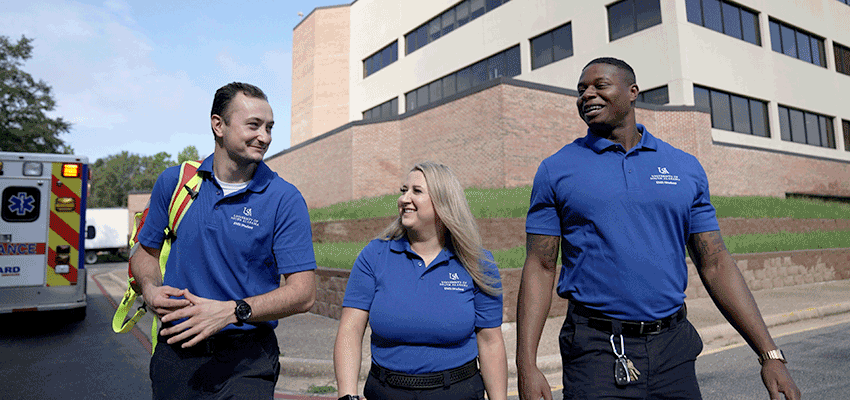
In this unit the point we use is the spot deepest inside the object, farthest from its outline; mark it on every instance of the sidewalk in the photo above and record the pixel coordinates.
(307, 340)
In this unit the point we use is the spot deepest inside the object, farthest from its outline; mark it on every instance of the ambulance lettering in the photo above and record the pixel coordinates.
(20, 249)
(10, 271)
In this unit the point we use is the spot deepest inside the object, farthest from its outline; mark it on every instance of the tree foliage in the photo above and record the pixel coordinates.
(115, 176)
(188, 154)
(23, 104)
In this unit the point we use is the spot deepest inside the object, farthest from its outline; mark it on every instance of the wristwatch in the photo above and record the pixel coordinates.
(350, 397)
(243, 312)
(775, 354)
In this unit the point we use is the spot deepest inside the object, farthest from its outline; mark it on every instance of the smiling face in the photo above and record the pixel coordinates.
(606, 97)
(245, 132)
(414, 205)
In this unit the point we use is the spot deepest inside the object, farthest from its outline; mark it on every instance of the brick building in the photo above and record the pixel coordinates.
(753, 88)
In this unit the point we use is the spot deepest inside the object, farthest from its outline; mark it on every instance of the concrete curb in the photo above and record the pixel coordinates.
(552, 363)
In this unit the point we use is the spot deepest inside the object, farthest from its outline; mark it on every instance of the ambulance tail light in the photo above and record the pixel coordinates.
(63, 259)
(71, 170)
(32, 168)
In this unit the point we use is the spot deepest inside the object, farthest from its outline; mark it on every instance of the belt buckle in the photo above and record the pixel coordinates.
(650, 328)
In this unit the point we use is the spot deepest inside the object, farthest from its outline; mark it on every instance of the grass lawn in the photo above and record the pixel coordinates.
(342, 255)
(513, 203)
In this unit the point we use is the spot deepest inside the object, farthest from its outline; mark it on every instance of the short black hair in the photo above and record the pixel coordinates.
(225, 94)
(624, 66)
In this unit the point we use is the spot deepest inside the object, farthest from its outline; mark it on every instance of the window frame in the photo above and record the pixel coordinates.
(805, 121)
(550, 36)
(794, 47)
(725, 5)
(752, 129)
(369, 63)
(635, 27)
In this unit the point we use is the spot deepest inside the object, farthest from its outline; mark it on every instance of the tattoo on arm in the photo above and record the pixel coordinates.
(707, 244)
(543, 247)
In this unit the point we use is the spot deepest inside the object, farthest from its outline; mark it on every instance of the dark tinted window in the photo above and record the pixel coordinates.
(712, 15)
(806, 127)
(552, 46)
(386, 110)
(732, 112)
(845, 125)
(381, 59)
(448, 21)
(725, 17)
(732, 21)
(842, 58)
(654, 96)
(797, 43)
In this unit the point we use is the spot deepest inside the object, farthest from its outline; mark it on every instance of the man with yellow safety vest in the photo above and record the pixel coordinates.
(222, 293)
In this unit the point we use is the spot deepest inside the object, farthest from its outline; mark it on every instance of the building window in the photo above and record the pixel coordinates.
(846, 126)
(460, 14)
(505, 63)
(845, 2)
(630, 16)
(654, 96)
(797, 43)
(842, 58)
(724, 17)
(552, 46)
(806, 127)
(732, 112)
(381, 59)
(382, 111)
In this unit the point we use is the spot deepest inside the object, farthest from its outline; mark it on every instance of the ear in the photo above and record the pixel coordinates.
(217, 123)
(634, 90)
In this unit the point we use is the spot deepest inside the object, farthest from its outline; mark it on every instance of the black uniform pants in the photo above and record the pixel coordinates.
(666, 362)
(243, 365)
(468, 389)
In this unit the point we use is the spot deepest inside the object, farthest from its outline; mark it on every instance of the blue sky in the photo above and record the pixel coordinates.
(140, 75)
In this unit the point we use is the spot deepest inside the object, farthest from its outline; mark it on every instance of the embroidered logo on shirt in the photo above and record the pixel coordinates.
(664, 177)
(245, 221)
(246, 211)
(455, 283)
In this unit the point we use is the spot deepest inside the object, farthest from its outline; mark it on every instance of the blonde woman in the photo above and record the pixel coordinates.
(432, 296)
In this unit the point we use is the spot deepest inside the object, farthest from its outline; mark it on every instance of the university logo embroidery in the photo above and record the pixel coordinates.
(246, 211)
(664, 177)
(662, 170)
(453, 276)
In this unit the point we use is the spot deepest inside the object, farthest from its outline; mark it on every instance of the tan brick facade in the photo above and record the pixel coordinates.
(320, 90)
(497, 136)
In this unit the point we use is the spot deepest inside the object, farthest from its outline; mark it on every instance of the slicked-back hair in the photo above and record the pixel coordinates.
(460, 227)
(225, 94)
(622, 65)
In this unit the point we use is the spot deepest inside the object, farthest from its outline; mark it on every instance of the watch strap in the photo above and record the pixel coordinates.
(774, 354)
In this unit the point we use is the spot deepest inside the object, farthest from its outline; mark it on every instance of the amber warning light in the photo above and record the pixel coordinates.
(70, 170)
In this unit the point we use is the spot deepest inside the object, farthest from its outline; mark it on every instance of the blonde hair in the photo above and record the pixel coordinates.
(461, 229)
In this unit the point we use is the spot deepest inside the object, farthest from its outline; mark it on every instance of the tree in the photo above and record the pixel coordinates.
(113, 177)
(190, 153)
(23, 103)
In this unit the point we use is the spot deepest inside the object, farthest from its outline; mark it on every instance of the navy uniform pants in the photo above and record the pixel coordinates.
(228, 365)
(666, 362)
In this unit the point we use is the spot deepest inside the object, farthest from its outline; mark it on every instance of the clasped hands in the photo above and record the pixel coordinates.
(203, 317)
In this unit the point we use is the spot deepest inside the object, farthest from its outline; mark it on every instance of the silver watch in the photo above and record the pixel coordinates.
(775, 354)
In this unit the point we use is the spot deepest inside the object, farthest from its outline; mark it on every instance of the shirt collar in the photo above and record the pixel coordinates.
(262, 176)
(402, 245)
(600, 144)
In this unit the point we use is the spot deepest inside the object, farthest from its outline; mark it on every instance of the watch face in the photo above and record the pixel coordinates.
(243, 311)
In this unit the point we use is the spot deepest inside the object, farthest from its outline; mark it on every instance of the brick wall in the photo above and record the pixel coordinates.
(497, 135)
(761, 271)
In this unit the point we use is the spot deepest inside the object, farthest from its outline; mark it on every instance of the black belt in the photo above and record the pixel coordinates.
(228, 339)
(425, 381)
(599, 321)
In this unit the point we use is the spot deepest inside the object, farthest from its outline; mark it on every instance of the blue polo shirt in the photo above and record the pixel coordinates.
(236, 246)
(624, 219)
(423, 318)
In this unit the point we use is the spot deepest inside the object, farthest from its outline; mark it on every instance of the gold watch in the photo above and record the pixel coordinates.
(775, 354)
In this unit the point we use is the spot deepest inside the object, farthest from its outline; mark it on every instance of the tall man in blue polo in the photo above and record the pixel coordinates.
(222, 295)
(623, 205)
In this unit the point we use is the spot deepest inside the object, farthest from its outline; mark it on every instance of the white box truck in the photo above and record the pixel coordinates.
(42, 216)
(107, 232)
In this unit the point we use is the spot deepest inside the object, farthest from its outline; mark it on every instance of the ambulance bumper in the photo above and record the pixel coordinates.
(40, 298)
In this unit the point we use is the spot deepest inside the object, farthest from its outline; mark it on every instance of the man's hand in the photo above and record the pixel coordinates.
(777, 380)
(205, 318)
(533, 385)
(159, 299)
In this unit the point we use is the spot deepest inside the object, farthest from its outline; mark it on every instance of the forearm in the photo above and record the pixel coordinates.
(493, 362)
(145, 267)
(533, 302)
(347, 350)
(728, 289)
(295, 296)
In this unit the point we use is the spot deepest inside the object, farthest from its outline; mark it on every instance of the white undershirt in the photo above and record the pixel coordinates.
(229, 188)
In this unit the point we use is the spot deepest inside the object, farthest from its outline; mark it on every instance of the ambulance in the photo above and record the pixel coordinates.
(42, 232)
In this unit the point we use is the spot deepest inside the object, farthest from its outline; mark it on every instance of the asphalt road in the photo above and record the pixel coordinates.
(50, 356)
